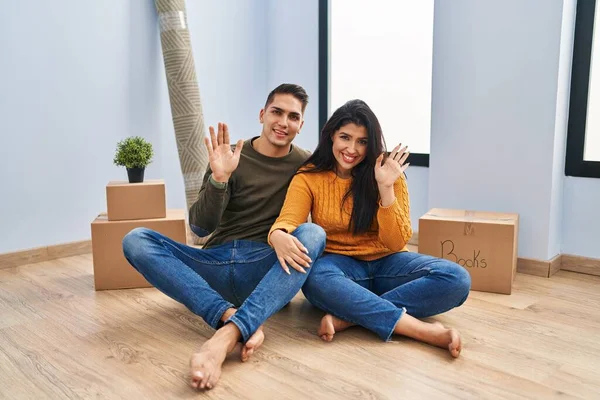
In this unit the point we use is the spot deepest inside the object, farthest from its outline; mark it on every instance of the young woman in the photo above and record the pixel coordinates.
(366, 276)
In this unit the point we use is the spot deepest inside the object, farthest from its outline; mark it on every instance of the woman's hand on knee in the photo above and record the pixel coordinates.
(290, 251)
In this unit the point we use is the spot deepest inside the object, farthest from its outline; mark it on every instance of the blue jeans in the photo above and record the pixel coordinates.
(375, 294)
(241, 274)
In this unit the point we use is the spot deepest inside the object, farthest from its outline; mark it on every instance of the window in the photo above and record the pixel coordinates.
(380, 52)
(583, 138)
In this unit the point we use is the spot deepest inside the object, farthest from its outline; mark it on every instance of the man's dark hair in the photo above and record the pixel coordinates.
(289, 88)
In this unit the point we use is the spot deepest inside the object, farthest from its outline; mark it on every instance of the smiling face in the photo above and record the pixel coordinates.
(282, 120)
(349, 148)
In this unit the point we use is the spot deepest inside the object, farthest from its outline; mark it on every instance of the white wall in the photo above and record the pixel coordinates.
(79, 76)
(581, 221)
(418, 190)
(505, 90)
(65, 100)
(495, 81)
(561, 127)
(292, 54)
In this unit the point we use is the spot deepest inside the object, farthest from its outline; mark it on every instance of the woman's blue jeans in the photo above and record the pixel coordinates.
(375, 294)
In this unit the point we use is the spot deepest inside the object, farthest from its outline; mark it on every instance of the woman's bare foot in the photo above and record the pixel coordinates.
(432, 333)
(330, 325)
(448, 338)
(205, 365)
(252, 344)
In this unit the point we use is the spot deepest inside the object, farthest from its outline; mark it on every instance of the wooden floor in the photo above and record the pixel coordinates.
(59, 339)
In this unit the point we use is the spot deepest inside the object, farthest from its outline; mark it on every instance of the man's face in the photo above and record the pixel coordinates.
(282, 120)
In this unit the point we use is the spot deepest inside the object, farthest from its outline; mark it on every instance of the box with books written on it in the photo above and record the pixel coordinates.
(484, 243)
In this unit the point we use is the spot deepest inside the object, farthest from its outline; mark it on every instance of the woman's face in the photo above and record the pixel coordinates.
(349, 148)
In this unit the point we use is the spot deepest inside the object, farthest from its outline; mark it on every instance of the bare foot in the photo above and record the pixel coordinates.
(252, 344)
(330, 325)
(432, 333)
(436, 334)
(448, 338)
(205, 365)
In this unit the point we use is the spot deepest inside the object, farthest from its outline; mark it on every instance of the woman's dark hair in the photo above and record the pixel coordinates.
(363, 189)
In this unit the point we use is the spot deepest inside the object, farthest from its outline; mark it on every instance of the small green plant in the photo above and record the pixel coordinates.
(133, 152)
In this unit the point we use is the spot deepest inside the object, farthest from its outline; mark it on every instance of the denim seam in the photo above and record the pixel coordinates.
(358, 279)
(215, 322)
(164, 242)
(232, 282)
(403, 276)
(369, 275)
(253, 260)
(413, 272)
(428, 263)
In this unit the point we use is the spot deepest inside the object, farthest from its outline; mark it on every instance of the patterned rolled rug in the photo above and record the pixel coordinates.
(186, 107)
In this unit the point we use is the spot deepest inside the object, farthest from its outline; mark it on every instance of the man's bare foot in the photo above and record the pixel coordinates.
(205, 365)
(252, 344)
(330, 325)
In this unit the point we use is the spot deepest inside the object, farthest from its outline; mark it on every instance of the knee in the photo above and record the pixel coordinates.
(462, 280)
(312, 236)
(134, 241)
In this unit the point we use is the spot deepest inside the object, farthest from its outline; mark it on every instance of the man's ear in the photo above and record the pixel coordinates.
(261, 115)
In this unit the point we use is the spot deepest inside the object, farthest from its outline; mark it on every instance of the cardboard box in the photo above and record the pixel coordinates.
(485, 243)
(111, 268)
(130, 201)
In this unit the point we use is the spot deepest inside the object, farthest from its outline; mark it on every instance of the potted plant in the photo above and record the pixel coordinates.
(134, 153)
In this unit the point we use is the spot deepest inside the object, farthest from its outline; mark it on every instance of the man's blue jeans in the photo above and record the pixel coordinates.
(241, 274)
(375, 294)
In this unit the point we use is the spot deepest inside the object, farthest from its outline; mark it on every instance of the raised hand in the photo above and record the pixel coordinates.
(222, 160)
(393, 167)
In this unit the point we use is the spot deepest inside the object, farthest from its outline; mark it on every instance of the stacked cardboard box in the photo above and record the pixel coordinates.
(484, 243)
(129, 206)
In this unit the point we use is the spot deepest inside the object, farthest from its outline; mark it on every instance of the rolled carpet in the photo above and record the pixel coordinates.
(184, 95)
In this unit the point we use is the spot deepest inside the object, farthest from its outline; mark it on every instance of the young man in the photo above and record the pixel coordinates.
(237, 280)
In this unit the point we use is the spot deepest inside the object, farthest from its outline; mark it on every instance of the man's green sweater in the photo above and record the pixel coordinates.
(251, 201)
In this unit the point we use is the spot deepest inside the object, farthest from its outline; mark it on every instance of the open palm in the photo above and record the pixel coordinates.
(222, 160)
(393, 167)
